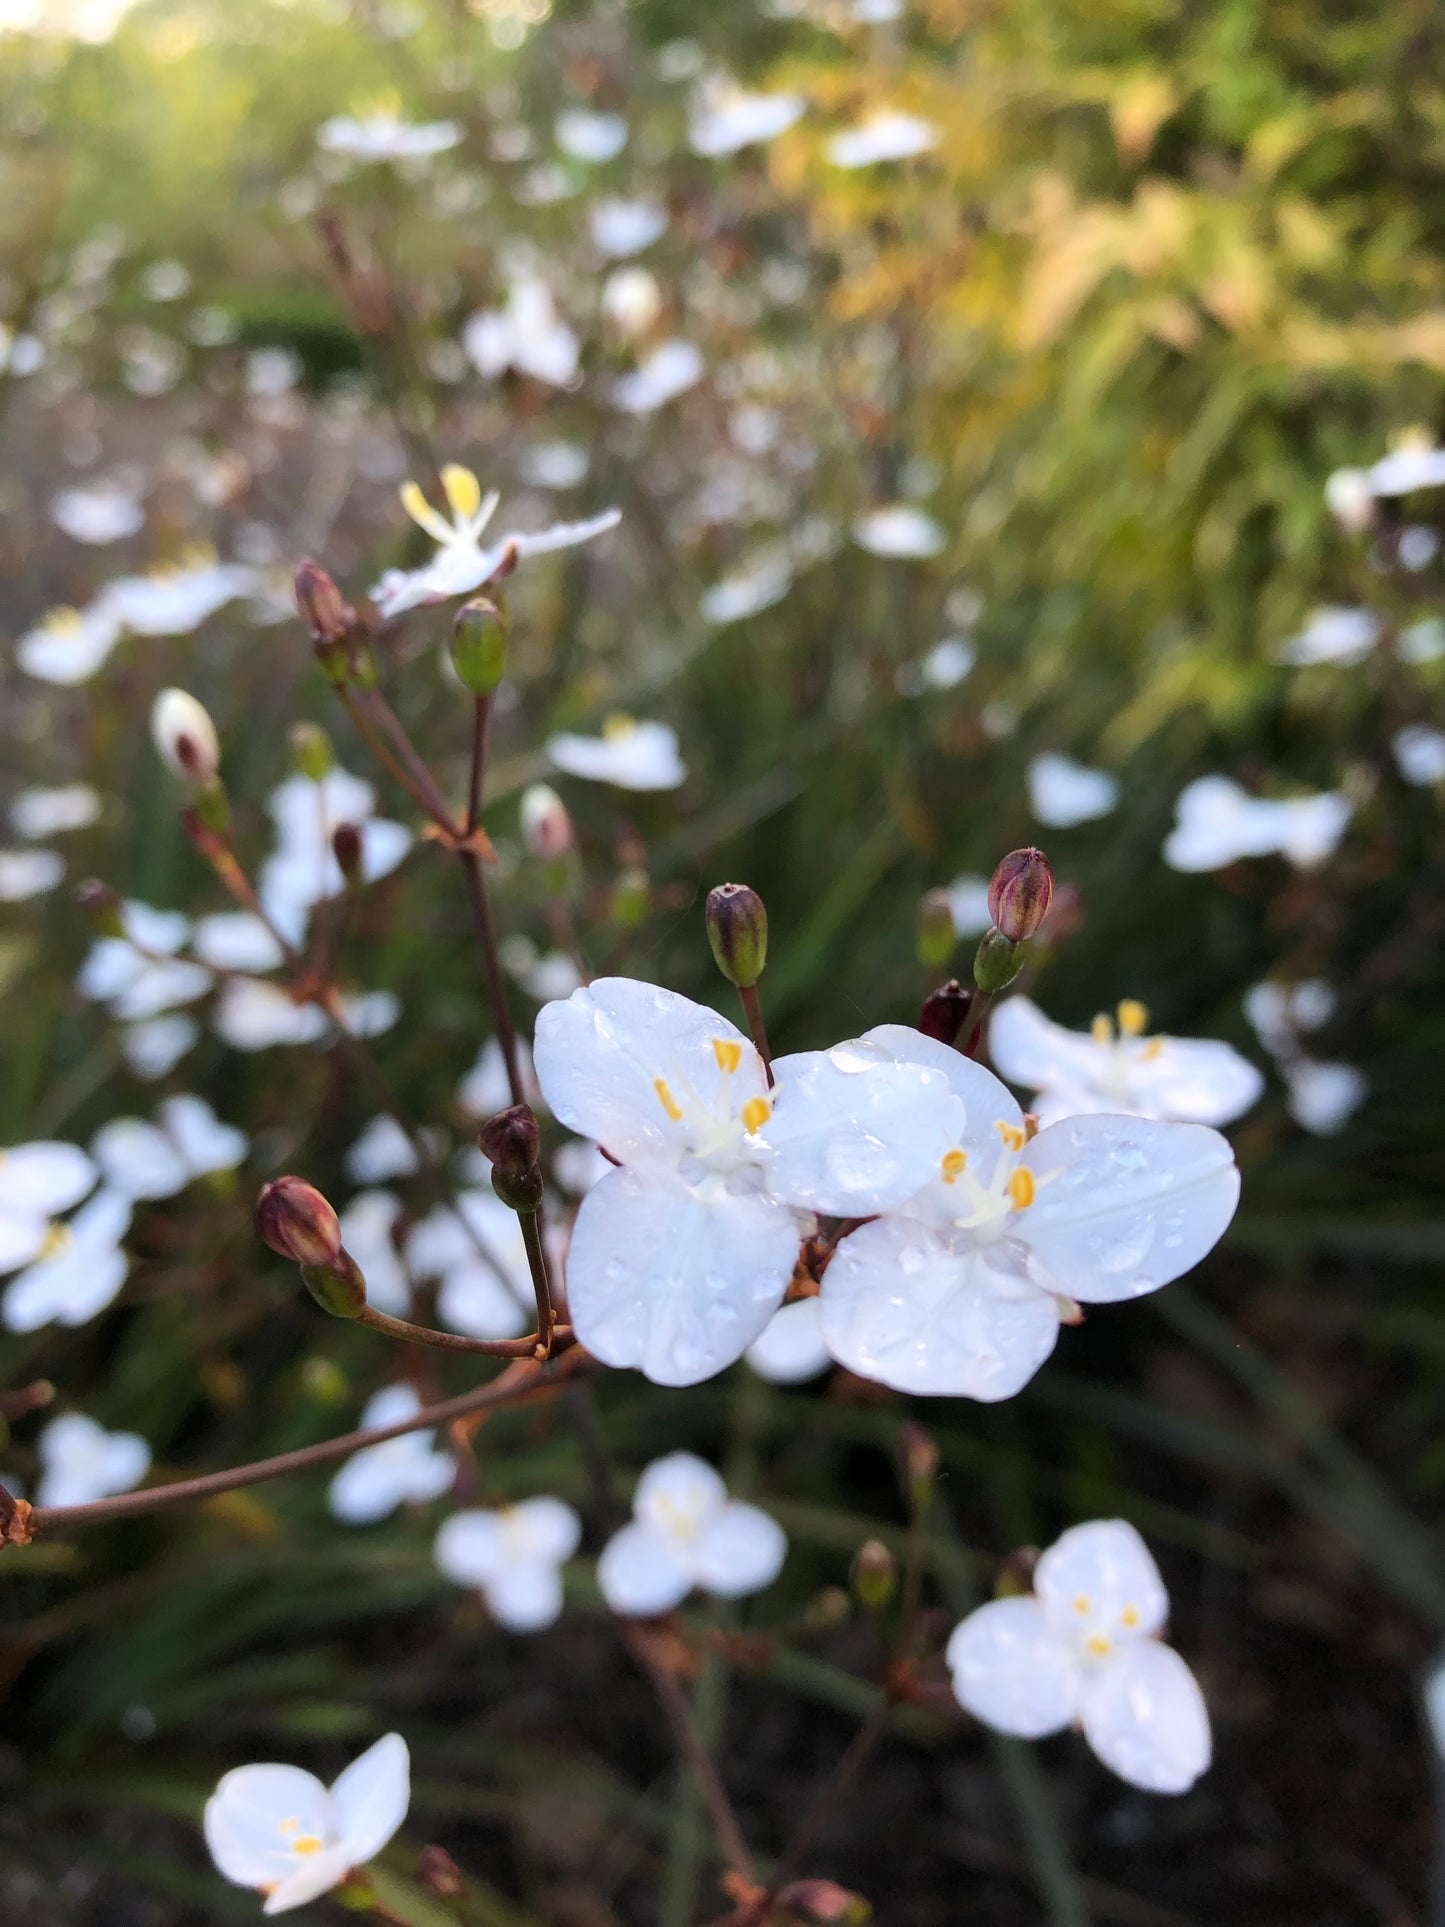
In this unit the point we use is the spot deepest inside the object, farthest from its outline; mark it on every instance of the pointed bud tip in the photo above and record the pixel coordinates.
(737, 929)
(296, 1221)
(323, 608)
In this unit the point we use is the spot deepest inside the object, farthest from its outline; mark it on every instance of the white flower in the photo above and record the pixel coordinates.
(485, 1088)
(968, 900)
(762, 580)
(1086, 1647)
(554, 465)
(406, 1470)
(514, 1557)
(141, 1160)
(118, 972)
(680, 1257)
(461, 564)
(587, 136)
(528, 335)
(1323, 1097)
(384, 136)
(1063, 793)
(1332, 635)
(366, 1231)
(53, 812)
(369, 1013)
(173, 601)
(631, 300)
(1278, 1012)
(37, 1182)
(184, 736)
(80, 1269)
(1415, 464)
(725, 119)
(1419, 753)
(255, 1016)
(632, 755)
(886, 136)
(948, 662)
(28, 873)
(1350, 499)
(899, 530)
(791, 1348)
(960, 1289)
(235, 940)
(478, 1253)
(1073, 1073)
(382, 1151)
(687, 1533)
(620, 228)
(660, 377)
(302, 870)
(1422, 641)
(153, 1047)
(278, 1829)
(103, 512)
(69, 646)
(1216, 822)
(80, 1461)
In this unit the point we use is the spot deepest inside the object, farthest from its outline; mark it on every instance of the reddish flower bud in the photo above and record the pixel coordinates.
(296, 1221)
(510, 1140)
(323, 607)
(1020, 893)
(346, 848)
(944, 1011)
(737, 929)
(437, 1873)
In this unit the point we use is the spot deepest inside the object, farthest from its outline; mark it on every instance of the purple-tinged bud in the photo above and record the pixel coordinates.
(509, 1141)
(346, 848)
(323, 608)
(936, 934)
(1020, 893)
(438, 1874)
(546, 826)
(945, 1011)
(1016, 1574)
(479, 645)
(737, 929)
(874, 1574)
(185, 736)
(296, 1221)
(102, 905)
(997, 962)
(311, 752)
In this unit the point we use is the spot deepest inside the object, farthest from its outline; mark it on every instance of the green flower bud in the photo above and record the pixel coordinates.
(311, 752)
(936, 934)
(479, 645)
(737, 929)
(339, 1288)
(874, 1575)
(998, 961)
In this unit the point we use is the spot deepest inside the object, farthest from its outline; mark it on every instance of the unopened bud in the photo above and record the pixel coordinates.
(944, 1011)
(1020, 893)
(546, 826)
(438, 1874)
(936, 934)
(509, 1141)
(997, 962)
(1016, 1574)
(631, 899)
(346, 848)
(102, 905)
(825, 1902)
(874, 1574)
(479, 645)
(737, 929)
(918, 1457)
(185, 737)
(296, 1221)
(339, 1288)
(323, 607)
(311, 752)
(826, 1611)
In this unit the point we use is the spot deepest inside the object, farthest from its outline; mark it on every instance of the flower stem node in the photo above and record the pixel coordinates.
(509, 1141)
(311, 752)
(1020, 893)
(737, 929)
(294, 1219)
(479, 645)
(998, 961)
(874, 1575)
(936, 935)
(945, 1011)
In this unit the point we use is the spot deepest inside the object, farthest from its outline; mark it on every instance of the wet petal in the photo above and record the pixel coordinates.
(740, 1550)
(1101, 1577)
(1012, 1671)
(1145, 1717)
(640, 1573)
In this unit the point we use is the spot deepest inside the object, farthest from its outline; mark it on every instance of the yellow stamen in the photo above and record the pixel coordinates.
(666, 1099)
(756, 1113)
(617, 727)
(729, 1054)
(1154, 1048)
(954, 1163)
(1081, 1603)
(1130, 1615)
(63, 622)
(291, 1825)
(1133, 1017)
(1097, 1644)
(1101, 1030)
(1012, 1136)
(57, 1239)
(307, 1843)
(1021, 1188)
(463, 490)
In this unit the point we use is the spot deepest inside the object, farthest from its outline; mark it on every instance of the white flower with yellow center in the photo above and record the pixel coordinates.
(632, 755)
(278, 1829)
(1085, 1648)
(177, 598)
(69, 646)
(514, 1557)
(1217, 823)
(77, 1271)
(1119, 1068)
(461, 564)
(680, 1256)
(960, 1291)
(686, 1532)
(38, 1181)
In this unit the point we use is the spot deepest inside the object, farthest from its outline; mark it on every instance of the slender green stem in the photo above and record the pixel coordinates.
(539, 1344)
(968, 1036)
(757, 1030)
(547, 1327)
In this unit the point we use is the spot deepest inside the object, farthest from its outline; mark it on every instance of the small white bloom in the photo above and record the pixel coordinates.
(174, 601)
(631, 300)
(384, 136)
(761, 582)
(279, 1830)
(1350, 498)
(948, 662)
(620, 228)
(80, 1268)
(302, 870)
(28, 873)
(899, 530)
(367, 1225)
(1417, 547)
(632, 755)
(98, 513)
(687, 1533)
(1417, 463)
(668, 371)
(81, 1462)
(485, 1089)
(37, 1182)
(887, 136)
(724, 119)
(53, 812)
(1063, 793)
(1323, 1097)
(1085, 1648)
(554, 465)
(1074, 1073)
(1333, 635)
(791, 1347)
(1216, 823)
(153, 1047)
(134, 985)
(382, 1151)
(255, 1016)
(235, 940)
(968, 900)
(184, 736)
(407, 1470)
(514, 1557)
(369, 1013)
(69, 646)
(1278, 1013)
(1419, 753)
(1422, 641)
(587, 136)
(527, 335)
(141, 1160)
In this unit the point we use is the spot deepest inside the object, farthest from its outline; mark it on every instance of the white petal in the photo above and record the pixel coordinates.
(792, 1348)
(21, 1238)
(470, 1546)
(236, 940)
(972, 1126)
(69, 1288)
(1028, 1049)
(644, 758)
(640, 1573)
(901, 1307)
(674, 1280)
(1012, 1671)
(44, 1178)
(474, 1301)
(138, 1159)
(525, 1596)
(244, 1815)
(899, 530)
(254, 1016)
(548, 1527)
(371, 1798)
(677, 1493)
(740, 1550)
(153, 1047)
(1101, 1577)
(52, 812)
(28, 873)
(382, 1151)
(161, 986)
(204, 1141)
(1195, 1080)
(1123, 1205)
(1063, 793)
(315, 1875)
(1145, 1717)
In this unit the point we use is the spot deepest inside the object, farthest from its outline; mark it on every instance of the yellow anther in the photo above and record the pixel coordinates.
(1130, 1616)
(666, 1099)
(1133, 1017)
(307, 1843)
(1097, 1644)
(954, 1162)
(291, 1825)
(1154, 1048)
(729, 1054)
(1101, 1030)
(1021, 1188)
(1081, 1603)
(617, 727)
(63, 622)
(1012, 1136)
(463, 490)
(756, 1113)
(57, 1239)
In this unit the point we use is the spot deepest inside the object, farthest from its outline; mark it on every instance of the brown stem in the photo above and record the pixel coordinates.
(538, 1345)
(757, 1030)
(481, 730)
(390, 723)
(834, 1790)
(491, 964)
(548, 1330)
(367, 731)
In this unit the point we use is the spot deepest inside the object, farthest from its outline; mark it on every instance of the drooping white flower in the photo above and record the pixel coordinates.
(585, 135)
(632, 755)
(143, 1160)
(99, 512)
(886, 136)
(1063, 793)
(461, 564)
(620, 228)
(791, 1348)
(514, 1557)
(899, 530)
(680, 1256)
(663, 374)
(1216, 823)
(959, 1290)
(367, 1225)
(382, 1151)
(1419, 753)
(528, 335)
(1085, 1647)
(175, 600)
(80, 1461)
(38, 1182)
(28, 873)
(1073, 1073)
(407, 1470)
(38, 813)
(69, 646)
(1333, 635)
(477, 1252)
(685, 1533)
(383, 136)
(80, 1268)
(279, 1830)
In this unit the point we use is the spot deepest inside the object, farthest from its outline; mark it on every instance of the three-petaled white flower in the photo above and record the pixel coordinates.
(960, 1291)
(514, 1557)
(144, 1160)
(37, 1182)
(80, 1461)
(1063, 793)
(686, 1532)
(1086, 1647)
(1072, 1073)
(1216, 822)
(406, 1470)
(461, 564)
(278, 1829)
(680, 1257)
(78, 1271)
(632, 755)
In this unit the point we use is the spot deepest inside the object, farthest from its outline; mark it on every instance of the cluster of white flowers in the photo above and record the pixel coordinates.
(1323, 1095)
(1217, 823)
(71, 646)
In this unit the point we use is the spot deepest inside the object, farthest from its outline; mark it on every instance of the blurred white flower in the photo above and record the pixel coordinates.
(165, 281)
(899, 530)
(1417, 548)
(620, 228)
(887, 136)
(1422, 641)
(153, 1047)
(968, 900)
(384, 136)
(1279, 1012)
(69, 646)
(302, 870)
(134, 985)
(763, 580)
(366, 1231)
(483, 1293)
(631, 300)
(685, 1533)
(279, 1830)
(631, 755)
(369, 1013)
(514, 1557)
(577, 1166)
(1333, 635)
(236, 940)
(660, 377)
(485, 1089)
(587, 136)
(28, 873)
(175, 600)
(80, 1268)
(37, 1182)
(53, 812)
(382, 1151)
(944, 667)
(553, 465)
(1416, 463)
(402, 1471)
(1216, 822)
(255, 1016)
(791, 1348)
(1323, 1097)
(1350, 498)
(1063, 793)
(528, 335)
(142, 1160)
(1085, 1647)
(100, 512)
(725, 119)
(1123, 1071)
(1419, 753)
(81, 1462)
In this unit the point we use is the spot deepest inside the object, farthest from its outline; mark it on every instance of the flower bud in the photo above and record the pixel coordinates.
(546, 826)
(322, 605)
(1020, 893)
(826, 1611)
(918, 1457)
(339, 1288)
(737, 929)
(311, 752)
(185, 737)
(631, 899)
(346, 848)
(102, 905)
(874, 1574)
(998, 961)
(479, 645)
(936, 934)
(510, 1140)
(438, 1874)
(944, 1011)
(296, 1221)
